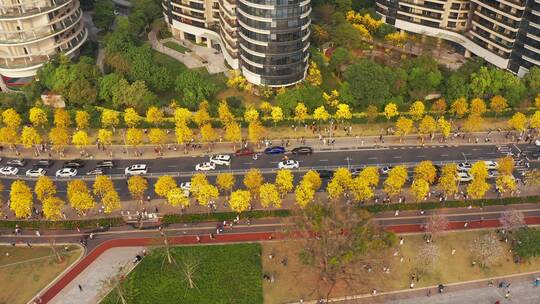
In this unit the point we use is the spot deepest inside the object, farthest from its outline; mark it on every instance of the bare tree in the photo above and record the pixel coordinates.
(487, 250)
(54, 250)
(189, 266)
(115, 284)
(512, 219)
(337, 239)
(436, 224)
(426, 258)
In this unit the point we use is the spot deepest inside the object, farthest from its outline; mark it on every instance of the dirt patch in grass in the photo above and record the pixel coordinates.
(297, 281)
(25, 271)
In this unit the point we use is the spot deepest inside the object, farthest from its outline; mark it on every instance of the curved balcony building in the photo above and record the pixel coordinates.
(267, 40)
(32, 31)
(503, 32)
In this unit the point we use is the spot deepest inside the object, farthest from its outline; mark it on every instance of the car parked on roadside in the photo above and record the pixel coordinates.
(274, 150)
(464, 176)
(36, 172)
(16, 163)
(493, 173)
(288, 164)
(221, 159)
(76, 164)
(185, 186)
(302, 151)
(66, 172)
(386, 170)
(491, 165)
(244, 152)
(137, 169)
(9, 171)
(464, 166)
(206, 166)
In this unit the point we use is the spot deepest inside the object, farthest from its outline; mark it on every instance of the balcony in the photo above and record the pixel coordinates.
(67, 45)
(53, 28)
(30, 8)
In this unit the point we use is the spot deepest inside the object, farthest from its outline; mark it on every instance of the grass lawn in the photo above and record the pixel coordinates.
(297, 281)
(28, 270)
(173, 65)
(175, 46)
(224, 274)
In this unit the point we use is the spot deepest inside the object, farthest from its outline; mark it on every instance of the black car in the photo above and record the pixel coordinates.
(302, 151)
(105, 164)
(356, 171)
(536, 155)
(325, 174)
(16, 163)
(43, 163)
(76, 163)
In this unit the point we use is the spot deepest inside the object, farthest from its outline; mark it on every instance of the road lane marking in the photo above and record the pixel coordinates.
(421, 156)
(444, 155)
(323, 160)
(396, 157)
(372, 158)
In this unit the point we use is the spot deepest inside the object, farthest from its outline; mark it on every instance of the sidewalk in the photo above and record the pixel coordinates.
(322, 144)
(93, 279)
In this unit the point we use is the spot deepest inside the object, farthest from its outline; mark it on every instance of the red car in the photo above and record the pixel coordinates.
(244, 152)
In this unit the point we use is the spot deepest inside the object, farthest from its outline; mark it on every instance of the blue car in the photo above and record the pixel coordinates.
(274, 150)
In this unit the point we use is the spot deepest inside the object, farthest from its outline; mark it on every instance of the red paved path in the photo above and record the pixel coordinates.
(227, 238)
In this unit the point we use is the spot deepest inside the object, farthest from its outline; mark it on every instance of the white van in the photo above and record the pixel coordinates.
(137, 169)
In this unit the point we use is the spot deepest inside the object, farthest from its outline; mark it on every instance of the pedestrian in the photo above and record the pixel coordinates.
(91, 236)
(429, 293)
(401, 241)
(198, 239)
(37, 233)
(80, 288)
(507, 294)
(28, 244)
(453, 251)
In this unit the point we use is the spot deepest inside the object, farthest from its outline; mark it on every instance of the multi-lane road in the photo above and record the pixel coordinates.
(182, 168)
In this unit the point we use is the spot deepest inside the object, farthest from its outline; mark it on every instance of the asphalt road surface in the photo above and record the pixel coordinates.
(183, 167)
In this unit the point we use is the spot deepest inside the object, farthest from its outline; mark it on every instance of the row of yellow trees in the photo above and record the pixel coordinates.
(60, 135)
(270, 194)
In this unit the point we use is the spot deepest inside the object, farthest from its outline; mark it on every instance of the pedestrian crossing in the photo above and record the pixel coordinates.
(521, 163)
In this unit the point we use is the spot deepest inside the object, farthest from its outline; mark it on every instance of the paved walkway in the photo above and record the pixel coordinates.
(318, 144)
(520, 292)
(93, 279)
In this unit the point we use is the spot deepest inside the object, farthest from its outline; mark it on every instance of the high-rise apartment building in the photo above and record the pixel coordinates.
(267, 40)
(31, 31)
(505, 33)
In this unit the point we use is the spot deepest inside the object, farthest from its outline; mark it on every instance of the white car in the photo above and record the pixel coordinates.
(36, 172)
(137, 169)
(9, 170)
(222, 160)
(464, 166)
(185, 186)
(288, 164)
(464, 177)
(537, 142)
(493, 174)
(491, 165)
(386, 170)
(206, 166)
(66, 172)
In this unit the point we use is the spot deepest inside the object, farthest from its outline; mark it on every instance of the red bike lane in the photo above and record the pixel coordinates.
(72, 273)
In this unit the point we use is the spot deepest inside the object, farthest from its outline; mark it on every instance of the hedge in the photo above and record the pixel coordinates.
(227, 216)
(90, 223)
(221, 216)
(451, 204)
